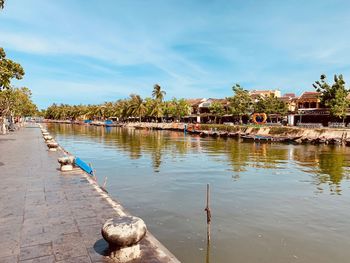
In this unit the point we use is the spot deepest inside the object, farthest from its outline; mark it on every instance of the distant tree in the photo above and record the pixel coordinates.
(8, 70)
(217, 109)
(157, 105)
(241, 102)
(158, 93)
(334, 96)
(137, 106)
(271, 105)
(178, 108)
(156, 109)
(2, 4)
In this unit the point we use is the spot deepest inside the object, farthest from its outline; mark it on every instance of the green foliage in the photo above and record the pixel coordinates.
(17, 102)
(137, 106)
(8, 70)
(270, 105)
(333, 96)
(241, 102)
(178, 108)
(219, 127)
(217, 109)
(134, 106)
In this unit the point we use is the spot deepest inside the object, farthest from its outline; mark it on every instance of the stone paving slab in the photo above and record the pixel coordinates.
(49, 216)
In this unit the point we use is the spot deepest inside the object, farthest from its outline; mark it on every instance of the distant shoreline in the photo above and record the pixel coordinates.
(263, 133)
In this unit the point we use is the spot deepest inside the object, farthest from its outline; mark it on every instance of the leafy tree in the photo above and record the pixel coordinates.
(16, 102)
(8, 70)
(333, 96)
(179, 108)
(271, 105)
(241, 102)
(2, 4)
(217, 109)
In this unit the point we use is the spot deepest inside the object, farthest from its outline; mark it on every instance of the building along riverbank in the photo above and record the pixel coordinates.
(50, 216)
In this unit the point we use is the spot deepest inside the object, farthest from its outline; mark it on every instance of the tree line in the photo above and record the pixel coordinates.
(156, 108)
(239, 105)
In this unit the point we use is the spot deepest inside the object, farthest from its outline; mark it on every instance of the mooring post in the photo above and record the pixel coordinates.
(207, 209)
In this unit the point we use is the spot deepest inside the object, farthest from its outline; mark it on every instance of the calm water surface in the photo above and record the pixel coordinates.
(270, 202)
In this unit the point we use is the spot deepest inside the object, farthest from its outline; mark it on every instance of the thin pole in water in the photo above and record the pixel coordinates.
(207, 209)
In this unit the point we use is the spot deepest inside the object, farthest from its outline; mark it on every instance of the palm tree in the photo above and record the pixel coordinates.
(137, 106)
(158, 93)
(157, 109)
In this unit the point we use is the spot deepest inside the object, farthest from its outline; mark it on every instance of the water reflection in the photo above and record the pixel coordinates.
(329, 165)
(270, 202)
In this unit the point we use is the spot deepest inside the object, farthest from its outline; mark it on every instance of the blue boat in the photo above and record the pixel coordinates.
(84, 166)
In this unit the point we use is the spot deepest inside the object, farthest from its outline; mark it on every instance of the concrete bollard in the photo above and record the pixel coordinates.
(48, 137)
(66, 163)
(52, 146)
(123, 235)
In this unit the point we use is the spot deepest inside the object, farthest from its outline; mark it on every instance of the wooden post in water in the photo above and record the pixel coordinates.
(207, 209)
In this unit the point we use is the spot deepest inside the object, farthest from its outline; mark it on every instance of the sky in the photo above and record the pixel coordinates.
(91, 51)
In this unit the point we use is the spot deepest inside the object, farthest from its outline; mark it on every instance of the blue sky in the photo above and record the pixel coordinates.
(91, 51)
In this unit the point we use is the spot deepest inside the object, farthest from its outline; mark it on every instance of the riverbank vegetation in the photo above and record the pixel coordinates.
(155, 108)
(241, 105)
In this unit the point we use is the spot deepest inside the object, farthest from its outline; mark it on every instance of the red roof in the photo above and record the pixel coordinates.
(290, 95)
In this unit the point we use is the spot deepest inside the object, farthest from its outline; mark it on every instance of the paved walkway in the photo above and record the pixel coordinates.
(47, 216)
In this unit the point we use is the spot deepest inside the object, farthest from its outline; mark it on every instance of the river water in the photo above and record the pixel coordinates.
(270, 202)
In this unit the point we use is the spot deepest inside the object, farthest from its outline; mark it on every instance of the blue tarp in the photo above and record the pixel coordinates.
(87, 121)
(83, 165)
(108, 122)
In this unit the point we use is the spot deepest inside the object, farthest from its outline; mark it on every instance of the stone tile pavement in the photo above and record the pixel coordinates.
(49, 216)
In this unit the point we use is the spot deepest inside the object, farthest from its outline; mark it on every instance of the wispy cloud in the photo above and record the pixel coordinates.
(108, 49)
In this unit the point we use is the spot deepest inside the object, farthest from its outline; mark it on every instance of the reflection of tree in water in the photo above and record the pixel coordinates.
(257, 155)
(268, 156)
(330, 163)
(327, 163)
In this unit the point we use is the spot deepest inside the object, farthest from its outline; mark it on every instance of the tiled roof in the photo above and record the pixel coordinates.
(291, 95)
(262, 91)
(309, 95)
(222, 101)
(195, 102)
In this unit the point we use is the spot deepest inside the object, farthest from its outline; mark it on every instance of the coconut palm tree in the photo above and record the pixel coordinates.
(137, 106)
(157, 107)
(158, 93)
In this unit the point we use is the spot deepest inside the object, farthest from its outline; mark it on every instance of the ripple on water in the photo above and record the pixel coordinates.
(280, 200)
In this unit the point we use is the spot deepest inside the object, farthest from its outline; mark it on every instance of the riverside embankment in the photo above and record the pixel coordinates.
(274, 133)
(338, 136)
(50, 216)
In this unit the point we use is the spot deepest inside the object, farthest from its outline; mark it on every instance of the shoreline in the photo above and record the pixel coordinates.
(280, 134)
